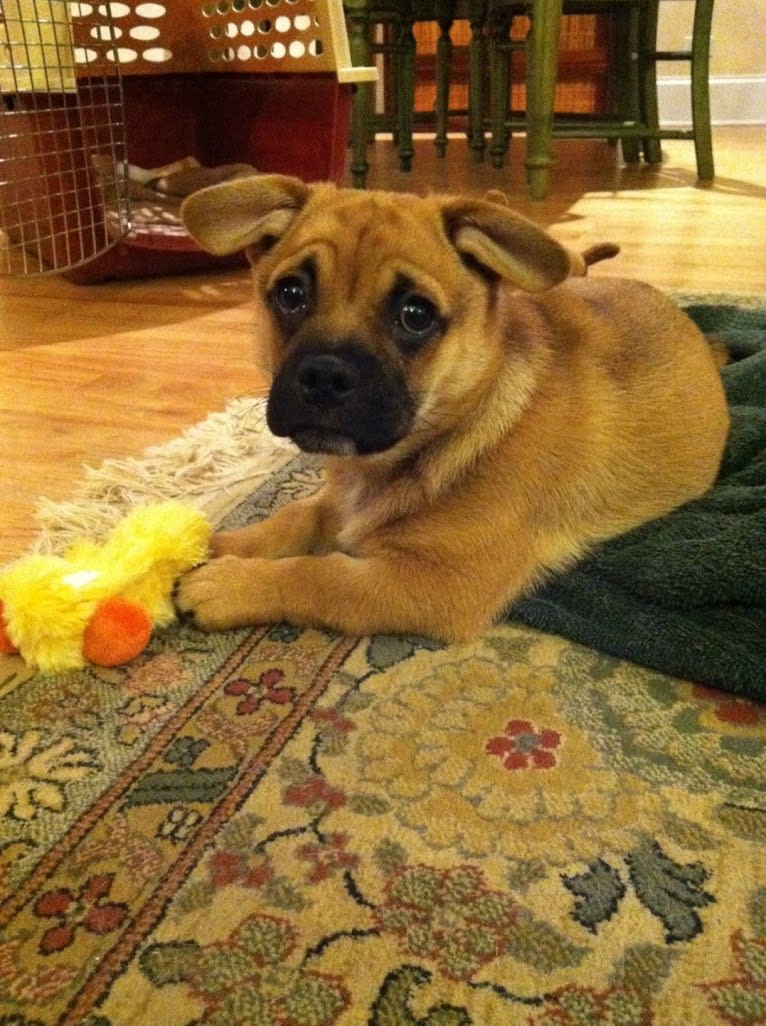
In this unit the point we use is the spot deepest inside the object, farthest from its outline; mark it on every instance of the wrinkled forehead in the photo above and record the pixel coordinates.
(370, 239)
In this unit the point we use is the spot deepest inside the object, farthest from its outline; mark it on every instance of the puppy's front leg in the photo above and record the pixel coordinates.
(301, 527)
(351, 594)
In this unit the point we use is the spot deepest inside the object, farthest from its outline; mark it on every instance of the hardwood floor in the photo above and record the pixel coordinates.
(100, 371)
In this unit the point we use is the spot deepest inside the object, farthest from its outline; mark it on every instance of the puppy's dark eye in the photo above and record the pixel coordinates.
(291, 296)
(415, 318)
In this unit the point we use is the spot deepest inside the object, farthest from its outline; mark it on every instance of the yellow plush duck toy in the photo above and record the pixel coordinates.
(99, 603)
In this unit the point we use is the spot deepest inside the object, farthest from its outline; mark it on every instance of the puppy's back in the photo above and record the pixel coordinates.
(657, 410)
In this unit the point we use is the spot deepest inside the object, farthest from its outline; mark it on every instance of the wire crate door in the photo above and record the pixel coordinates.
(64, 68)
(63, 198)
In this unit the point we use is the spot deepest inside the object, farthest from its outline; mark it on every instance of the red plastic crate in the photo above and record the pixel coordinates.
(232, 81)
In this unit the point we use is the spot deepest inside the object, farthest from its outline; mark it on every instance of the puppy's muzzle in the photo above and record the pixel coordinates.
(341, 400)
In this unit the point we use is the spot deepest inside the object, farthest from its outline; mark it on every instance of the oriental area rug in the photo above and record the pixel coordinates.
(282, 826)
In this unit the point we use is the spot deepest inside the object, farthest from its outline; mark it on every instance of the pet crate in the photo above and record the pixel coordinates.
(101, 100)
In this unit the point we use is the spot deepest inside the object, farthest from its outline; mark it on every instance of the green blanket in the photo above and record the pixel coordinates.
(686, 594)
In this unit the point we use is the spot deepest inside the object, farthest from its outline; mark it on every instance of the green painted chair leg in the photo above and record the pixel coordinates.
(500, 50)
(476, 58)
(700, 73)
(624, 83)
(444, 18)
(650, 114)
(542, 72)
(406, 94)
(538, 180)
(361, 97)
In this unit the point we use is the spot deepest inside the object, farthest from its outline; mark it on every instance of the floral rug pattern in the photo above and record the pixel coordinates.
(285, 827)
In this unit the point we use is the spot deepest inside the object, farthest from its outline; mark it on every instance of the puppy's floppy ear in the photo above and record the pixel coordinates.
(505, 243)
(234, 215)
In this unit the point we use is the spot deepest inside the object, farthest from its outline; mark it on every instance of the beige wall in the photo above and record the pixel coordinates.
(739, 34)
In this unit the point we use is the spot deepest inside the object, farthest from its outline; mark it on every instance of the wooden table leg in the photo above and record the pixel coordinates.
(542, 72)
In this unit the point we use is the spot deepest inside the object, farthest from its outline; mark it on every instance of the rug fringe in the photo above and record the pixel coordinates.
(213, 465)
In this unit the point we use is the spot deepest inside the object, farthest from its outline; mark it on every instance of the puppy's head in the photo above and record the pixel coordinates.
(384, 307)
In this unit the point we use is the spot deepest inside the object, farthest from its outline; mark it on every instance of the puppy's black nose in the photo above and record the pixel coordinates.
(326, 380)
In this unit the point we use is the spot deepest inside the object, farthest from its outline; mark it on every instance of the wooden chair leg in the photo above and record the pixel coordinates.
(361, 97)
(500, 50)
(700, 84)
(444, 17)
(406, 93)
(623, 75)
(394, 71)
(476, 57)
(542, 72)
(650, 114)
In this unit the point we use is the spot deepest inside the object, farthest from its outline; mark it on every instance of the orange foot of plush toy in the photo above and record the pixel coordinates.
(117, 632)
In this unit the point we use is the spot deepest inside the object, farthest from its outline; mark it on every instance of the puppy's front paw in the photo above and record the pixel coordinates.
(217, 595)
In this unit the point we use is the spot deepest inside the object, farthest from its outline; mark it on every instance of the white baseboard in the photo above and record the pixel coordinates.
(734, 100)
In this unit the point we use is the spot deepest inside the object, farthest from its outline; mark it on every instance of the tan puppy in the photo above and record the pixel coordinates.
(487, 417)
